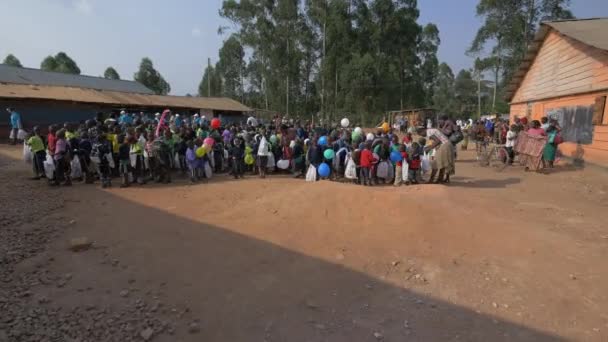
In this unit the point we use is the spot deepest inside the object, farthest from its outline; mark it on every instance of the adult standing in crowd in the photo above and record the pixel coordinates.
(15, 125)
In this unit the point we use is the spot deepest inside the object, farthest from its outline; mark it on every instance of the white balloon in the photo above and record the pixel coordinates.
(358, 130)
(345, 123)
(370, 136)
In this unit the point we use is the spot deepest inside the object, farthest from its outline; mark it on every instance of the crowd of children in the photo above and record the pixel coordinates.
(138, 151)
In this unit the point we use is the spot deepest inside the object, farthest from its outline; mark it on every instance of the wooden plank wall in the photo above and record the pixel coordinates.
(597, 151)
(563, 66)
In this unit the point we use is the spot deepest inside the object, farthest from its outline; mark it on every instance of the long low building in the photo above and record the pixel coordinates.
(565, 76)
(44, 97)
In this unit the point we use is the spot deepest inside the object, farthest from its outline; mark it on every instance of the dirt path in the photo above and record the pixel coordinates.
(506, 256)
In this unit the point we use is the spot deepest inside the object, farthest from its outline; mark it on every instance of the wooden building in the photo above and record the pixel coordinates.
(44, 98)
(564, 75)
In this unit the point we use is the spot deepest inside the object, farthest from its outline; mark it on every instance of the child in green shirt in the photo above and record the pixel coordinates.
(38, 149)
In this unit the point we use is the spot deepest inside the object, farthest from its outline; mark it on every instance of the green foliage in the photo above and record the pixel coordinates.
(216, 83)
(12, 61)
(330, 57)
(111, 74)
(151, 78)
(232, 67)
(61, 62)
(507, 30)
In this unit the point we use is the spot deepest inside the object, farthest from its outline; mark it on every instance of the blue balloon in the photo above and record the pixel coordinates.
(322, 141)
(396, 157)
(324, 170)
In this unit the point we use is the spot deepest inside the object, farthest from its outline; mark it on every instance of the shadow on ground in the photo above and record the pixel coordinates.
(246, 289)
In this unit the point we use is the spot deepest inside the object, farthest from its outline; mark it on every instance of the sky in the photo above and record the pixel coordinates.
(180, 35)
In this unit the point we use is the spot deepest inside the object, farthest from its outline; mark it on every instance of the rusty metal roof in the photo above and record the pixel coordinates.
(592, 32)
(15, 75)
(117, 98)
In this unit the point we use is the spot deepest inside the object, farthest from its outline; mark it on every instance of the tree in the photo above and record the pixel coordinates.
(61, 62)
(507, 30)
(231, 67)
(443, 94)
(111, 74)
(12, 61)
(149, 77)
(429, 66)
(465, 92)
(331, 57)
(213, 78)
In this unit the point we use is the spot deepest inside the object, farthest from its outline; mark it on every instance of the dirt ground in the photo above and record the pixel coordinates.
(495, 256)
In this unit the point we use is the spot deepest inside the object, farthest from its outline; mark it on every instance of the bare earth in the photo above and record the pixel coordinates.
(495, 256)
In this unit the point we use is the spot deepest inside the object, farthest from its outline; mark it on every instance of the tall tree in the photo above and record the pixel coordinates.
(429, 66)
(12, 61)
(507, 30)
(465, 92)
(210, 78)
(61, 62)
(151, 78)
(231, 66)
(111, 74)
(443, 94)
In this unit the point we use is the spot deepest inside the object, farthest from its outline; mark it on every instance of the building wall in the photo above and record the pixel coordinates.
(567, 74)
(563, 66)
(597, 151)
(44, 113)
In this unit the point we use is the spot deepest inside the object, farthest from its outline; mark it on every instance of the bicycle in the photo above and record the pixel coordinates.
(496, 156)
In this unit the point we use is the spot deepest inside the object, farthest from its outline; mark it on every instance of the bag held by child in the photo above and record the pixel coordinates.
(27, 154)
(311, 174)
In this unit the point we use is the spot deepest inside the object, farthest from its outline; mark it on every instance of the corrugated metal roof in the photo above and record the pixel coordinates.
(117, 98)
(10, 74)
(593, 32)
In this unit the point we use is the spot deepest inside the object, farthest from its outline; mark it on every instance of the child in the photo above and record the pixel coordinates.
(366, 161)
(124, 160)
(237, 153)
(61, 157)
(151, 159)
(38, 153)
(192, 161)
(137, 154)
(510, 142)
(102, 149)
(414, 162)
(399, 165)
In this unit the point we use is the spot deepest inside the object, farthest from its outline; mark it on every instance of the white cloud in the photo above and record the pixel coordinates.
(83, 6)
(196, 32)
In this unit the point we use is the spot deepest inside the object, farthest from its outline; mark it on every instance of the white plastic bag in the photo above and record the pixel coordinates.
(208, 171)
(351, 168)
(49, 167)
(133, 159)
(226, 154)
(76, 168)
(382, 170)
(270, 164)
(425, 164)
(27, 154)
(21, 134)
(110, 160)
(311, 174)
(405, 168)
